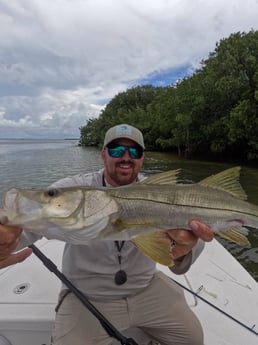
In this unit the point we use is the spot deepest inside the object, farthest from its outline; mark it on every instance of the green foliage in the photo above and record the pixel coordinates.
(213, 113)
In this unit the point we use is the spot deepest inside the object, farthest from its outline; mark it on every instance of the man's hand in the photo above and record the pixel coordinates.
(183, 240)
(9, 238)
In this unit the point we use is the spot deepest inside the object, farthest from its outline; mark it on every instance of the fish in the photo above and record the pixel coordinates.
(142, 212)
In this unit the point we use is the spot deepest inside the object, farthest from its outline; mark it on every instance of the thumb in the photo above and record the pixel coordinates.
(201, 230)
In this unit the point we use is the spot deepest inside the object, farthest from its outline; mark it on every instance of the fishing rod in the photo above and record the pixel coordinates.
(215, 307)
(110, 329)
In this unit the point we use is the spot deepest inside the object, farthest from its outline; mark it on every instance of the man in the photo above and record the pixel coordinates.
(117, 278)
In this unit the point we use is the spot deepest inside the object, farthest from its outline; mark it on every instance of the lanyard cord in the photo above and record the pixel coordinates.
(119, 245)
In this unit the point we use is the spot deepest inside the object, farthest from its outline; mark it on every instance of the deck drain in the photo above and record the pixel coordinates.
(21, 288)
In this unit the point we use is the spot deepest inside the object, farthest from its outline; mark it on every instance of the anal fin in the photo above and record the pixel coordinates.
(235, 235)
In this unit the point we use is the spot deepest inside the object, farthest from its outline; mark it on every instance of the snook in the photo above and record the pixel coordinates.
(141, 212)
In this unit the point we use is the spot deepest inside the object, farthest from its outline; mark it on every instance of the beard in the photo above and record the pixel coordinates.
(124, 172)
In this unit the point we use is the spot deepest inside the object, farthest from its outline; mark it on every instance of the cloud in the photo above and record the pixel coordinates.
(62, 60)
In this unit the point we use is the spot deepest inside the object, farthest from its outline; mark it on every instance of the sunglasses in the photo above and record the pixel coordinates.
(135, 152)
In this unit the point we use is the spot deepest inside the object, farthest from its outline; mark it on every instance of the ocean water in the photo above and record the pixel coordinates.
(35, 163)
(38, 163)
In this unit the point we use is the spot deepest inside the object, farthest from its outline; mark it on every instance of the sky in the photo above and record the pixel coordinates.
(62, 61)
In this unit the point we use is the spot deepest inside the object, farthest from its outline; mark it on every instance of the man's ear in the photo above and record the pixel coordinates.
(103, 154)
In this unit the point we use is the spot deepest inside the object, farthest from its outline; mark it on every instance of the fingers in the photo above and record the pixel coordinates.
(9, 241)
(15, 258)
(9, 234)
(9, 238)
(201, 230)
(179, 251)
(185, 240)
(182, 236)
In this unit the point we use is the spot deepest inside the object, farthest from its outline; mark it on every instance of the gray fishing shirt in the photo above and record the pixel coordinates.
(92, 267)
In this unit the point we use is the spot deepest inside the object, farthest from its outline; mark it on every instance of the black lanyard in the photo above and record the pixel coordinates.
(120, 276)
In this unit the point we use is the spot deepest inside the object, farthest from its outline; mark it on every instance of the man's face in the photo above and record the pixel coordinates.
(122, 170)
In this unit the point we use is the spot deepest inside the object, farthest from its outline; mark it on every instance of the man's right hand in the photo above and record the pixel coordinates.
(9, 238)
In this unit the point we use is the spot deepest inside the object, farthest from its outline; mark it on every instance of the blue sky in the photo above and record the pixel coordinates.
(61, 61)
(167, 77)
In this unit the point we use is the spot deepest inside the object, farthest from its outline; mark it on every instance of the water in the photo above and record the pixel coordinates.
(35, 163)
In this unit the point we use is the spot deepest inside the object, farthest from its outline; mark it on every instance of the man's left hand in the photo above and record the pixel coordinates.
(183, 240)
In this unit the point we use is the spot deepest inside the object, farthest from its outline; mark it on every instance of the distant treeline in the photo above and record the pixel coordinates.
(211, 115)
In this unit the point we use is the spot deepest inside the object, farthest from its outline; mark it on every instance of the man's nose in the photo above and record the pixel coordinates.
(126, 155)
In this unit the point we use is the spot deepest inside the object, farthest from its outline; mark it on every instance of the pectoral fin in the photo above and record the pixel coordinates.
(156, 246)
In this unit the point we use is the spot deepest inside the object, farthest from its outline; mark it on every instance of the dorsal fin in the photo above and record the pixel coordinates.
(167, 177)
(228, 181)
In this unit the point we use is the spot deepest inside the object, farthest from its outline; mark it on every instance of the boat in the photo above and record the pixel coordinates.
(219, 290)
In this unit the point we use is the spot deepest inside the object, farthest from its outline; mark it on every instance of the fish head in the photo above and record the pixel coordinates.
(22, 205)
(68, 208)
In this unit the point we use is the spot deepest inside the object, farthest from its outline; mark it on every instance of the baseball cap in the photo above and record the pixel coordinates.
(124, 131)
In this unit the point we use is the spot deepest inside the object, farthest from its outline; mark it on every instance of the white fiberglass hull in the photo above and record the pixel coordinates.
(29, 294)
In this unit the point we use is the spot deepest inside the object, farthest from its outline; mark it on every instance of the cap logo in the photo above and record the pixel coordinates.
(123, 130)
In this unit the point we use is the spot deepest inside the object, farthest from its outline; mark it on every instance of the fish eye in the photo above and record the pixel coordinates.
(52, 192)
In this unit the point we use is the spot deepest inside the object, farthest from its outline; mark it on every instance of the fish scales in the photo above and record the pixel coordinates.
(191, 196)
(166, 207)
